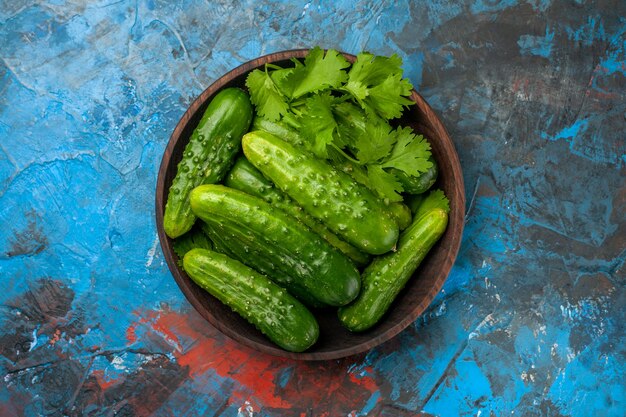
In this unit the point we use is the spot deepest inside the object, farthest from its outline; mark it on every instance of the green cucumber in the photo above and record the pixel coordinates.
(347, 208)
(434, 199)
(351, 122)
(421, 183)
(230, 242)
(218, 241)
(245, 177)
(402, 213)
(311, 262)
(278, 129)
(270, 308)
(208, 155)
(357, 172)
(385, 277)
(414, 201)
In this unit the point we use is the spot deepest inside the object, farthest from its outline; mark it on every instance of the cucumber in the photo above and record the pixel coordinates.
(421, 183)
(218, 241)
(385, 277)
(270, 308)
(402, 213)
(434, 199)
(351, 120)
(245, 177)
(279, 130)
(230, 243)
(358, 173)
(311, 262)
(208, 155)
(347, 208)
(413, 201)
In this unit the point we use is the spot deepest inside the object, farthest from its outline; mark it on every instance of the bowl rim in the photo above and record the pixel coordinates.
(186, 284)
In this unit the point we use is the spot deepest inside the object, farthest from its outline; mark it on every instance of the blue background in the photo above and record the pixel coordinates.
(531, 318)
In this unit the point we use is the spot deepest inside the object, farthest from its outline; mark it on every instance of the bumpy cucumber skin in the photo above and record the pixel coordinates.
(279, 130)
(421, 183)
(402, 213)
(326, 274)
(245, 177)
(385, 277)
(358, 173)
(270, 308)
(230, 242)
(333, 197)
(218, 241)
(208, 155)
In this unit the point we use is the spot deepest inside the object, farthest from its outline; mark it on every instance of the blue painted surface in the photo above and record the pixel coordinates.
(531, 318)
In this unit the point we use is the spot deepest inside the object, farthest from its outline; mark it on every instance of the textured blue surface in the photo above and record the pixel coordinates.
(531, 319)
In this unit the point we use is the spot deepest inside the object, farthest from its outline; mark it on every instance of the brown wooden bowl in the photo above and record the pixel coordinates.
(334, 341)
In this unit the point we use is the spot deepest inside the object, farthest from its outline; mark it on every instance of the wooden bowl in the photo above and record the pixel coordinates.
(335, 341)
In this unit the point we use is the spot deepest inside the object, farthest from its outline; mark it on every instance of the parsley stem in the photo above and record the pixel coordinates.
(345, 155)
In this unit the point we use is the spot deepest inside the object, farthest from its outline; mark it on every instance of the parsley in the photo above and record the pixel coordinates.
(342, 114)
(434, 199)
(317, 123)
(410, 154)
(264, 94)
(385, 184)
(376, 83)
(318, 72)
(374, 143)
(195, 238)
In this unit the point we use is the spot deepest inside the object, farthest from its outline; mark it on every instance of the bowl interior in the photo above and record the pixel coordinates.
(335, 341)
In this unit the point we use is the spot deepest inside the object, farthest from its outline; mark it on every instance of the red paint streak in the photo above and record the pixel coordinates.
(226, 358)
(365, 381)
(602, 95)
(55, 337)
(253, 372)
(325, 387)
(131, 336)
(160, 325)
(102, 381)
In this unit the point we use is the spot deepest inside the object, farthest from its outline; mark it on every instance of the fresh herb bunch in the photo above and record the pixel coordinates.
(343, 112)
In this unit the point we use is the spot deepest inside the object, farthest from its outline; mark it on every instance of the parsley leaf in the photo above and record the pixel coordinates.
(410, 154)
(342, 115)
(279, 76)
(434, 199)
(195, 238)
(384, 183)
(318, 72)
(377, 85)
(374, 143)
(317, 123)
(264, 94)
(370, 70)
(387, 98)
